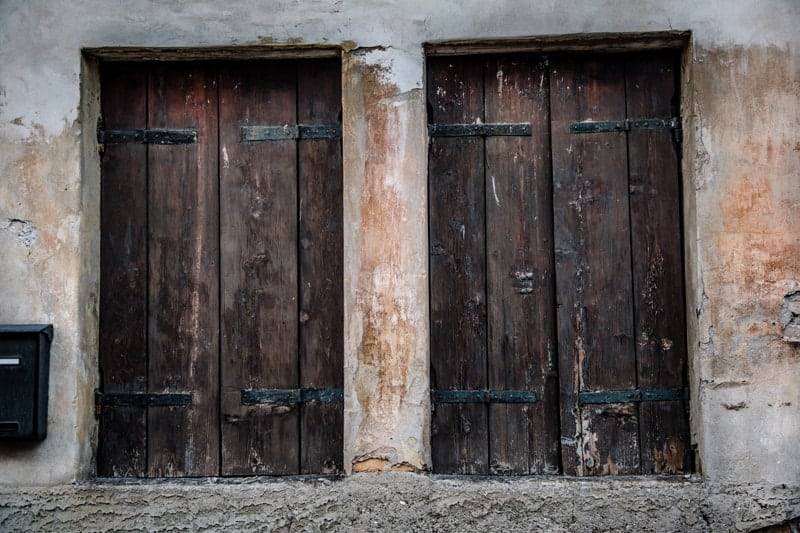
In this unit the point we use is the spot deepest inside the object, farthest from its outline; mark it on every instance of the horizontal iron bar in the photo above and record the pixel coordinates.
(603, 126)
(149, 136)
(143, 399)
(478, 130)
(627, 396)
(290, 131)
(281, 396)
(483, 396)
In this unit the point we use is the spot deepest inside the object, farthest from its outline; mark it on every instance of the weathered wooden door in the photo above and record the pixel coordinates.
(493, 353)
(221, 269)
(620, 295)
(557, 317)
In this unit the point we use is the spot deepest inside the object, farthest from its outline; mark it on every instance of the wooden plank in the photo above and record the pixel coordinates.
(122, 445)
(183, 265)
(524, 438)
(258, 216)
(593, 272)
(652, 91)
(321, 350)
(459, 438)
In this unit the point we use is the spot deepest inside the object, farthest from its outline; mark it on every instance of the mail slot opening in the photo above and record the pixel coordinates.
(9, 427)
(9, 361)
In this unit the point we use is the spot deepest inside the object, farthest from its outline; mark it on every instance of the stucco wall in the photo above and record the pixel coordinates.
(741, 164)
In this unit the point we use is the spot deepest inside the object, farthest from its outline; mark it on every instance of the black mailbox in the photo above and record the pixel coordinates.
(24, 364)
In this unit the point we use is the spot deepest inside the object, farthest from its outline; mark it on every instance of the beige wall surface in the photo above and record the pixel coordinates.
(741, 166)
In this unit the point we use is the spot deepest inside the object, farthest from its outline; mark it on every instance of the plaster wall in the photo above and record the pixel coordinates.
(741, 160)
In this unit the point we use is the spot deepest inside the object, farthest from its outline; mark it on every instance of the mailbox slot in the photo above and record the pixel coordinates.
(24, 375)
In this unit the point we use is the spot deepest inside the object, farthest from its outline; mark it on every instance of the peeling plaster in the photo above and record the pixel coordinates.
(387, 413)
(23, 230)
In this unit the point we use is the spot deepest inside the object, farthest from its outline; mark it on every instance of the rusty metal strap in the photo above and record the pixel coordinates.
(143, 399)
(285, 396)
(479, 130)
(628, 396)
(290, 132)
(483, 396)
(604, 126)
(148, 136)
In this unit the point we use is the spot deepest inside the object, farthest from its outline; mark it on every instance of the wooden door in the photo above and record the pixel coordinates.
(493, 373)
(556, 268)
(619, 264)
(220, 330)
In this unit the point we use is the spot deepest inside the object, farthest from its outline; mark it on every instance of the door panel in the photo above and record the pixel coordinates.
(458, 267)
(183, 295)
(519, 240)
(122, 449)
(651, 89)
(321, 270)
(593, 264)
(258, 203)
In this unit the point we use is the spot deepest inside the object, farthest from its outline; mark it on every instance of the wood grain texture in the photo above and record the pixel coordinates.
(321, 342)
(258, 208)
(459, 437)
(122, 444)
(593, 261)
(660, 325)
(524, 438)
(184, 273)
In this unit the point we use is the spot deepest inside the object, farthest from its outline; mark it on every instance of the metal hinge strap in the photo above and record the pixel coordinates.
(147, 136)
(284, 396)
(143, 399)
(628, 396)
(483, 396)
(289, 132)
(603, 126)
(479, 130)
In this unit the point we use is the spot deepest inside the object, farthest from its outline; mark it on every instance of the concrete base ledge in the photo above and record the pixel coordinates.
(397, 502)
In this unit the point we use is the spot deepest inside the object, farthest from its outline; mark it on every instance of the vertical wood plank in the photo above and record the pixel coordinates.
(524, 439)
(652, 92)
(459, 438)
(321, 350)
(122, 446)
(183, 264)
(593, 272)
(258, 203)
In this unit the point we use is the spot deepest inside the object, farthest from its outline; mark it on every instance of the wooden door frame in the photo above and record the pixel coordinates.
(92, 59)
(605, 44)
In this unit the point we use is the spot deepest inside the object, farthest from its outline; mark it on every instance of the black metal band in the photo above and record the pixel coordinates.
(479, 130)
(149, 136)
(628, 396)
(483, 396)
(284, 396)
(289, 132)
(143, 399)
(604, 126)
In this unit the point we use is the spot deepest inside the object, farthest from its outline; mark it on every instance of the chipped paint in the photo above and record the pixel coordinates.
(23, 230)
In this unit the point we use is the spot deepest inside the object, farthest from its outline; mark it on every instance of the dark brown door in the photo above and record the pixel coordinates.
(619, 265)
(492, 279)
(556, 268)
(220, 330)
